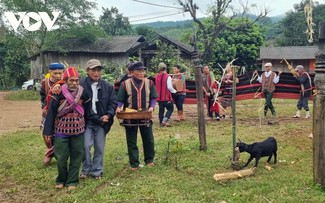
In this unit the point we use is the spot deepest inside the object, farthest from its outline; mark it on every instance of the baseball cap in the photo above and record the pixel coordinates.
(93, 63)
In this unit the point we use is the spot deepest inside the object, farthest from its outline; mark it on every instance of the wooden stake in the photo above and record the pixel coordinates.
(233, 175)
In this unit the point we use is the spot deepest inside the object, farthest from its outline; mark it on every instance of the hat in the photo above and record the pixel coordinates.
(162, 66)
(93, 63)
(55, 66)
(299, 67)
(268, 64)
(70, 72)
(137, 66)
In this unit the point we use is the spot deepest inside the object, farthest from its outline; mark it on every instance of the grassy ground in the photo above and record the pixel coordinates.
(23, 95)
(183, 172)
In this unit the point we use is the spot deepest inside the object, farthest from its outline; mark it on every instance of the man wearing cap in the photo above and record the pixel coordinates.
(304, 80)
(65, 122)
(138, 93)
(55, 72)
(208, 81)
(165, 90)
(268, 80)
(99, 118)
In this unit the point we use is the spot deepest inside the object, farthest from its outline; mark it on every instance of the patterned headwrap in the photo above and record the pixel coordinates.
(70, 72)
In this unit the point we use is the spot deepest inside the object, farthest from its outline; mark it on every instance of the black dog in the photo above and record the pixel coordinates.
(259, 149)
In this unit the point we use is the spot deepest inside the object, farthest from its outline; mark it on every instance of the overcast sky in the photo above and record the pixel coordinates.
(142, 11)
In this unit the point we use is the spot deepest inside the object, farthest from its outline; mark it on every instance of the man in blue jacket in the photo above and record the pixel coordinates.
(99, 118)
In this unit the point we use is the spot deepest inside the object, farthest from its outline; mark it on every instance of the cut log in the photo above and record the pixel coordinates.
(233, 175)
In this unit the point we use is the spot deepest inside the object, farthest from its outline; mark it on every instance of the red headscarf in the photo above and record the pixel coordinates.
(70, 72)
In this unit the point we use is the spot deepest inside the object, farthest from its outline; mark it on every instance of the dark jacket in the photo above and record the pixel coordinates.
(106, 104)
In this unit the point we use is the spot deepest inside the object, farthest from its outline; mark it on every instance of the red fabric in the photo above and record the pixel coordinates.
(48, 96)
(161, 86)
(70, 72)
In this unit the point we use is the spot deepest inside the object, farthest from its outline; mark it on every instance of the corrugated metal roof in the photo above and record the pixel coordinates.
(115, 44)
(290, 52)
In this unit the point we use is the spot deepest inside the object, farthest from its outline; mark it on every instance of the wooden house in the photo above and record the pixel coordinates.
(295, 55)
(74, 52)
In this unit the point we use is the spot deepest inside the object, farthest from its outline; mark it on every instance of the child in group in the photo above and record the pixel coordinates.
(215, 104)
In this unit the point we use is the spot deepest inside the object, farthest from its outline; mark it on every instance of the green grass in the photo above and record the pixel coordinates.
(24, 178)
(23, 95)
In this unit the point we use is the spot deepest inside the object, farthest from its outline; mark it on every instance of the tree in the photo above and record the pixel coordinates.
(34, 42)
(114, 23)
(209, 35)
(149, 33)
(294, 25)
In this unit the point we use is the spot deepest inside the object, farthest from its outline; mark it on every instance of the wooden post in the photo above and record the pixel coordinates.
(319, 112)
(233, 109)
(200, 104)
(199, 97)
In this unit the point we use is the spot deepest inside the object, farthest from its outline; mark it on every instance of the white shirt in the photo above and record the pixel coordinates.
(170, 85)
(267, 74)
(94, 88)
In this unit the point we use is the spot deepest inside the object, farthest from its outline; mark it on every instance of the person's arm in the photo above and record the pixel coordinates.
(121, 97)
(276, 78)
(43, 94)
(259, 78)
(112, 102)
(170, 85)
(302, 78)
(153, 96)
(50, 117)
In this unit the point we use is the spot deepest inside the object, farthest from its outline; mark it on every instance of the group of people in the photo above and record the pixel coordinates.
(77, 113)
(269, 79)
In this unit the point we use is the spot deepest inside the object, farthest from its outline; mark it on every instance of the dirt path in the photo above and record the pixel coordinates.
(18, 115)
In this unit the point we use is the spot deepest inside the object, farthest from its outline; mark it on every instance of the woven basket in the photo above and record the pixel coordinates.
(134, 115)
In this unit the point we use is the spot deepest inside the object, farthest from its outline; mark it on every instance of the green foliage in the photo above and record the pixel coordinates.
(294, 26)
(149, 33)
(167, 54)
(174, 151)
(13, 64)
(242, 40)
(290, 180)
(114, 23)
(112, 71)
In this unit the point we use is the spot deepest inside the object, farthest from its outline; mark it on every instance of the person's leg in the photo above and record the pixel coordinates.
(271, 104)
(99, 147)
(181, 99)
(76, 156)
(306, 107)
(133, 151)
(88, 143)
(299, 107)
(267, 102)
(148, 143)
(161, 112)
(62, 153)
(209, 106)
(170, 108)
